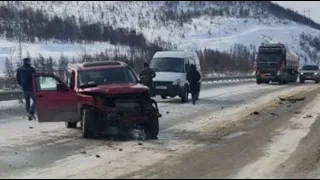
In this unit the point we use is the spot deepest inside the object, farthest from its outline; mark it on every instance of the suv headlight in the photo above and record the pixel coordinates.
(176, 82)
(301, 73)
(315, 73)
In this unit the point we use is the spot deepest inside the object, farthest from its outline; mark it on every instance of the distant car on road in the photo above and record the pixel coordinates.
(309, 72)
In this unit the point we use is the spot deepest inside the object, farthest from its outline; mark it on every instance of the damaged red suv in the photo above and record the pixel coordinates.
(100, 95)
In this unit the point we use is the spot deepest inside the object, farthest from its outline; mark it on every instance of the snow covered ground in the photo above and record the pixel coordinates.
(45, 142)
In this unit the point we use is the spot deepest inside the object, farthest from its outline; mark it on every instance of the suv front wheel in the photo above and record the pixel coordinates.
(88, 123)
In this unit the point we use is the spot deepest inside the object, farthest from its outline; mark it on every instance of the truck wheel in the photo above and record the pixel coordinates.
(88, 123)
(71, 124)
(151, 125)
(163, 97)
(185, 96)
(301, 80)
(317, 81)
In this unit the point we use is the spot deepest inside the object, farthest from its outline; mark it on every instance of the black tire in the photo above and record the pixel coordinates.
(163, 97)
(88, 124)
(185, 95)
(72, 125)
(317, 81)
(301, 80)
(151, 126)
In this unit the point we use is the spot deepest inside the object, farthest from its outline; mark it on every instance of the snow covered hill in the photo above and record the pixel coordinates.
(236, 22)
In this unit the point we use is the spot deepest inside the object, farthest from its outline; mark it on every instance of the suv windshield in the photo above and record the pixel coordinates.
(107, 76)
(269, 57)
(310, 68)
(167, 64)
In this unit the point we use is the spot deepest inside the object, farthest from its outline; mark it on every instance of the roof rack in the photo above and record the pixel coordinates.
(100, 63)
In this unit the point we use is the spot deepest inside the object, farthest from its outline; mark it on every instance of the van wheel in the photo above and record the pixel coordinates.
(88, 123)
(163, 97)
(71, 124)
(185, 96)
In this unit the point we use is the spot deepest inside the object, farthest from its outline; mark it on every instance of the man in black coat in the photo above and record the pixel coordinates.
(193, 76)
(24, 78)
(146, 76)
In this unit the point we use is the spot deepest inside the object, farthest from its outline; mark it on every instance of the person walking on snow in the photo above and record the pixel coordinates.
(193, 76)
(24, 78)
(146, 75)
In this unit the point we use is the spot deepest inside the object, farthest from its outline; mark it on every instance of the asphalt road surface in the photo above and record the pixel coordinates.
(219, 137)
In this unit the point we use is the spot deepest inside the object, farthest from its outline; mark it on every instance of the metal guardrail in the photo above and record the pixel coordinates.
(17, 94)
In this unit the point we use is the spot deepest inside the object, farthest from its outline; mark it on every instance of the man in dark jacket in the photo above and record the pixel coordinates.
(24, 78)
(146, 76)
(193, 76)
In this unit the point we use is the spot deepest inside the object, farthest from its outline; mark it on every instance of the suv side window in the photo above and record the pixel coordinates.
(46, 84)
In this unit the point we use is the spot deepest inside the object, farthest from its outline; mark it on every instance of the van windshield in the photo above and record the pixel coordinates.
(167, 64)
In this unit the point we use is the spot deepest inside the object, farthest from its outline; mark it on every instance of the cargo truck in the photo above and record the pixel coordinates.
(274, 63)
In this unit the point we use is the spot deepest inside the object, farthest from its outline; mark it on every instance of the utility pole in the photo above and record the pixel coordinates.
(304, 14)
(219, 29)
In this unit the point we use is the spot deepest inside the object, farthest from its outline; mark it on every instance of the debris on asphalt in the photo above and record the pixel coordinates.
(222, 107)
(97, 156)
(273, 114)
(120, 150)
(255, 113)
(292, 99)
(30, 127)
(140, 144)
(167, 112)
(83, 152)
(308, 116)
(289, 105)
(297, 112)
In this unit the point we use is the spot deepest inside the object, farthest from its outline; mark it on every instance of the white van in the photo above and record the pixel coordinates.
(171, 70)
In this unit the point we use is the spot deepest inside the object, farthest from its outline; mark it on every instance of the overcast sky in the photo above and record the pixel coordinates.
(300, 5)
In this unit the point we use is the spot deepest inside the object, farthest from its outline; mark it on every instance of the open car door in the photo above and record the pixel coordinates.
(55, 102)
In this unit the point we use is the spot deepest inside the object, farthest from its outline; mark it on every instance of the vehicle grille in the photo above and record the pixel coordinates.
(308, 74)
(162, 83)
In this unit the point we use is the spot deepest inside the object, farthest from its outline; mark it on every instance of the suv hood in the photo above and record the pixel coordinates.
(123, 88)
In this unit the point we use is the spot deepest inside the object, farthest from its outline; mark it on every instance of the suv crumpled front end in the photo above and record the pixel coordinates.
(125, 106)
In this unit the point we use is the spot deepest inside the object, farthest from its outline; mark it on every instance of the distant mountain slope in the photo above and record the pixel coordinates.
(186, 25)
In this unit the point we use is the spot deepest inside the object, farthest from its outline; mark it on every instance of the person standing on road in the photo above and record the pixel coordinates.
(193, 76)
(24, 78)
(146, 76)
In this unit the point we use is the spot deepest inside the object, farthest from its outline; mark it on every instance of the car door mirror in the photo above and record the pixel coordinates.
(62, 87)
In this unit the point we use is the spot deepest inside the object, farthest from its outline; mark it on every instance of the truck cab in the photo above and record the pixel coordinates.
(276, 64)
